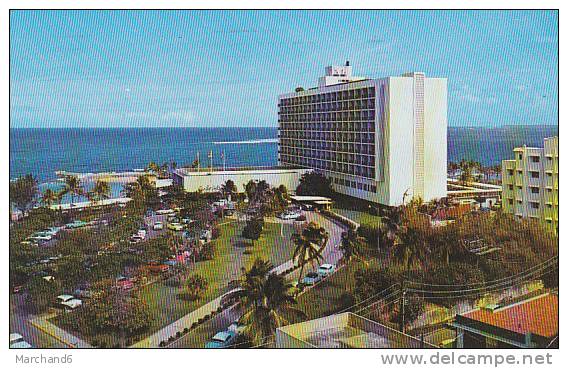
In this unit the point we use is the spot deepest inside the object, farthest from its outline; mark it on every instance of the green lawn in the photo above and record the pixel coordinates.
(355, 210)
(232, 252)
(230, 257)
(326, 297)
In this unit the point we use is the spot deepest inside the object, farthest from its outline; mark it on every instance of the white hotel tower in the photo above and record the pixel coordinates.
(375, 138)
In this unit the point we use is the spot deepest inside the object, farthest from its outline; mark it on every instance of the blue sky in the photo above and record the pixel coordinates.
(193, 69)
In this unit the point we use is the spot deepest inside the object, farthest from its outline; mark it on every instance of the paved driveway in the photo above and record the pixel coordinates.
(331, 254)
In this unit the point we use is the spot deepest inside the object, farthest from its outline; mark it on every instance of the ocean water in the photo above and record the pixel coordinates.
(41, 152)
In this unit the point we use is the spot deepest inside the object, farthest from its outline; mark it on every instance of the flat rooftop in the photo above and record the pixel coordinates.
(239, 170)
(344, 330)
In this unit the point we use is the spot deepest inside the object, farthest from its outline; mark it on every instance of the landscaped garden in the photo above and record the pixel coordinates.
(165, 299)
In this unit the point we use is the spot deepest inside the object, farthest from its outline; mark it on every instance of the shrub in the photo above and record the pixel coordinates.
(206, 317)
(346, 300)
(162, 343)
(178, 334)
(195, 286)
(194, 324)
(185, 330)
(215, 232)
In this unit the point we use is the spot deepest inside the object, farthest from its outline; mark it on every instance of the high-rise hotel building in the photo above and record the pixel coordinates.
(530, 183)
(376, 139)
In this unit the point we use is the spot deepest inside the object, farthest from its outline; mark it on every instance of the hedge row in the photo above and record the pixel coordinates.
(193, 326)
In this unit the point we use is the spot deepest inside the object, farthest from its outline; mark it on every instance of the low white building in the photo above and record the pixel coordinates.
(206, 180)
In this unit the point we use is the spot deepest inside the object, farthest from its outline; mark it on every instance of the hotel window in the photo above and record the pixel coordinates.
(510, 201)
(511, 186)
(520, 156)
(534, 205)
(535, 190)
(510, 172)
(535, 174)
(535, 159)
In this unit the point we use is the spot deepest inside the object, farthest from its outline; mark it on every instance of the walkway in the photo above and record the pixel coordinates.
(42, 323)
(331, 254)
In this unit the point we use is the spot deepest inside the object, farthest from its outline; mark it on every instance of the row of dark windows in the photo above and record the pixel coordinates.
(349, 158)
(356, 148)
(351, 169)
(328, 136)
(361, 115)
(329, 107)
(356, 185)
(366, 92)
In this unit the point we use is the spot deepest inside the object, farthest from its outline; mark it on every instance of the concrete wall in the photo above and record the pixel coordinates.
(435, 138)
(212, 181)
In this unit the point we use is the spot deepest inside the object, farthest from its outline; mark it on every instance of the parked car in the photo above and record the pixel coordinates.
(64, 298)
(76, 224)
(17, 342)
(142, 233)
(221, 340)
(326, 269)
(237, 327)
(187, 220)
(136, 239)
(83, 294)
(301, 218)
(50, 231)
(311, 278)
(155, 267)
(40, 237)
(289, 215)
(165, 211)
(17, 289)
(72, 304)
(158, 225)
(176, 226)
(124, 283)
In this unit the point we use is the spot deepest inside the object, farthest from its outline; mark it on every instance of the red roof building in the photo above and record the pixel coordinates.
(532, 323)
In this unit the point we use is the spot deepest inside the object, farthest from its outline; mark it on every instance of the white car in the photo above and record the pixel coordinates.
(290, 215)
(72, 304)
(64, 298)
(165, 212)
(236, 327)
(17, 342)
(158, 225)
(141, 233)
(326, 269)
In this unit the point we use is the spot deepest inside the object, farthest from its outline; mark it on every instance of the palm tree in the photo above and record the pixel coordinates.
(72, 187)
(268, 302)
(411, 247)
(101, 190)
(228, 188)
(309, 245)
(391, 223)
(154, 167)
(49, 197)
(351, 246)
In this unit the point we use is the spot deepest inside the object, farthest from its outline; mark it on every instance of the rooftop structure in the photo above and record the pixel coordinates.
(530, 183)
(531, 323)
(211, 180)
(376, 139)
(344, 330)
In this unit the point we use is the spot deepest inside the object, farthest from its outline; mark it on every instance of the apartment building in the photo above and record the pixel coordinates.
(381, 140)
(530, 183)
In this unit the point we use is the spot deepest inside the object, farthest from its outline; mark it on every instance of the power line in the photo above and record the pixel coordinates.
(486, 288)
(550, 260)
